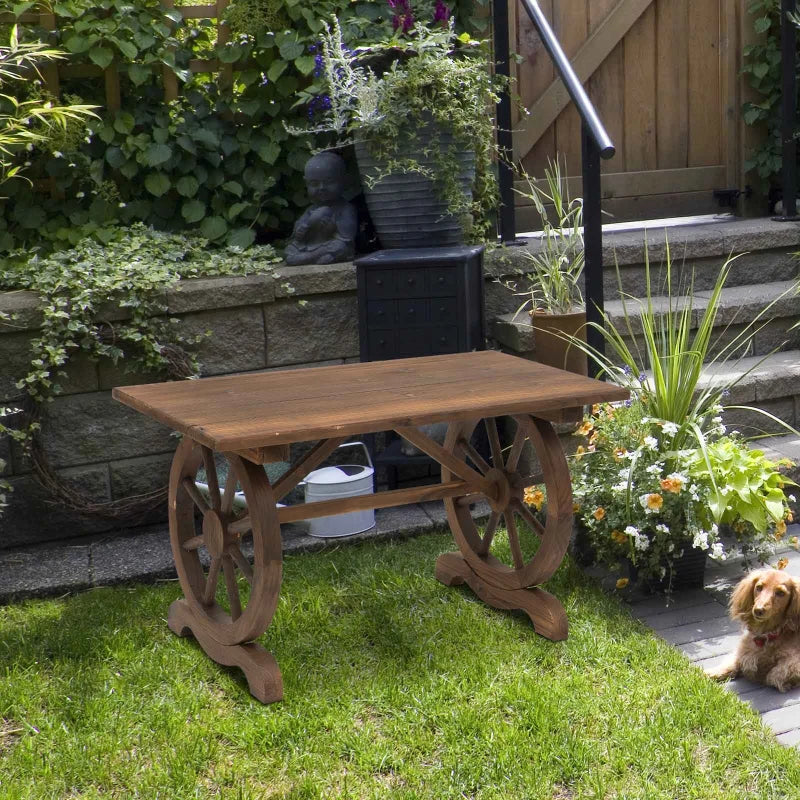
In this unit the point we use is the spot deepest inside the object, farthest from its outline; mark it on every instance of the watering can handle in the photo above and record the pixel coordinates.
(349, 444)
(357, 444)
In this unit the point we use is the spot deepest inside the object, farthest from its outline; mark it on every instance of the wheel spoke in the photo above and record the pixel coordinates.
(494, 441)
(474, 456)
(241, 525)
(516, 449)
(193, 543)
(232, 587)
(513, 540)
(488, 534)
(211, 581)
(211, 477)
(193, 492)
(528, 516)
(242, 562)
(230, 491)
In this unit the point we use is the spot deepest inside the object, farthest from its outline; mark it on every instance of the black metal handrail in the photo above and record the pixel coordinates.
(595, 144)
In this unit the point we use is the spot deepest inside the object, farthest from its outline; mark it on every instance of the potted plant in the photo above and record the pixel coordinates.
(552, 282)
(417, 107)
(659, 477)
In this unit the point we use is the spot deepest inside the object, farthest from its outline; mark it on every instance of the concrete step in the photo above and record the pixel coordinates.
(764, 252)
(774, 306)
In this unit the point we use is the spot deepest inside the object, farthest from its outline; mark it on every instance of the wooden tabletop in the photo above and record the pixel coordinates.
(240, 412)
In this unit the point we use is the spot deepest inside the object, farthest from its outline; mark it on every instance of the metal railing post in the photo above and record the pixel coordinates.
(592, 243)
(505, 145)
(789, 110)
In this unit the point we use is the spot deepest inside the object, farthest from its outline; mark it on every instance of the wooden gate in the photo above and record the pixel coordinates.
(664, 77)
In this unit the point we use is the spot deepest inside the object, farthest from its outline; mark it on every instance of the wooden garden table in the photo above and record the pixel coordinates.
(251, 419)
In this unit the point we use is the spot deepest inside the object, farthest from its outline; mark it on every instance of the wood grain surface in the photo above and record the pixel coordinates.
(252, 410)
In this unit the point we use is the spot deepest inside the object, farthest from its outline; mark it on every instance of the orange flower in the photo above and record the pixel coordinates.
(622, 583)
(596, 408)
(586, 428)
(619, 453)
(655, 501)
(599, 513)
(782, 564)
(534, 497)
(673, 485)
(789, 516)
(579, 453)
(780, 529)
(576, 507)
(795, 542)
(619, 537)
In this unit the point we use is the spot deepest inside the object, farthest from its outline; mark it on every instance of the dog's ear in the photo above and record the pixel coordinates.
(793, 611)
(741, 603)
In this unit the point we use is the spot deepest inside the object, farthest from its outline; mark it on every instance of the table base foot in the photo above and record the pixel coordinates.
(545, 611)
(259, 666)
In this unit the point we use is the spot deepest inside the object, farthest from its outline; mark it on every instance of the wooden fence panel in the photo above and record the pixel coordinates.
(663, 76)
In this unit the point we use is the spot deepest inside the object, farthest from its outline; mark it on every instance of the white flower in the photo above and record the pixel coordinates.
(80, 194)
(654, 469)
(641, 542)
(701, 540)
(662, 528)
(622, 486)
(651, 443)
(670, 428)
(58, 154)
(631, 531)
(718, 551)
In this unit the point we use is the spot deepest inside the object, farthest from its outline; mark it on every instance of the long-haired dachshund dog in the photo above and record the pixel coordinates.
(767, 602)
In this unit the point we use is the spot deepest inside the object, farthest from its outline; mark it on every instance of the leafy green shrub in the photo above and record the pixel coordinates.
(141, 163)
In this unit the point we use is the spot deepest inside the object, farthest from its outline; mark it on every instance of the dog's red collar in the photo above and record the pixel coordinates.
(760, 639)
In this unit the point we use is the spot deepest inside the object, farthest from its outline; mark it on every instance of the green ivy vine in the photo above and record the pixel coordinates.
(78, 286)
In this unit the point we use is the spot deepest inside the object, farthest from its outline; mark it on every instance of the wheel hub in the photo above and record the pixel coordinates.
(498, 493)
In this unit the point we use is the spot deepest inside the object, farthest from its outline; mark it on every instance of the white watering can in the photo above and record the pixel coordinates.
(336, 483)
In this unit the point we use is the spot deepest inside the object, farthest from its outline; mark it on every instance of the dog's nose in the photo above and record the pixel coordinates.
(759, 612)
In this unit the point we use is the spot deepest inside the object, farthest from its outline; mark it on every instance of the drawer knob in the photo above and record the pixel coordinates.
(380, 313)
(411, 281)
(382, 342)
(410, 311)
(443, 340)
(441, 279)
(379, 282)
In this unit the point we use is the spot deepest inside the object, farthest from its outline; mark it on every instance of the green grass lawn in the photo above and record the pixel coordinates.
(395, 687)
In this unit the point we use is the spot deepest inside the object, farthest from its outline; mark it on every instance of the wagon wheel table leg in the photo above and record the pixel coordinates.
(534, 550)
(228, 603)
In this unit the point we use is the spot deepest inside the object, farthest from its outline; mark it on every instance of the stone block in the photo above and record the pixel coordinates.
(92, 428)
(504, 261)
(43, 571)
(201, 294)
(236, 343)
(758, 234)
(15, 358)
(33, 516)
(514, 332)
(499, 300)
(751, 423)
(314, 279)
(777, 376)
(23, 310)
(324, 328)
(110, 374)
(143, 556)
(137, 476)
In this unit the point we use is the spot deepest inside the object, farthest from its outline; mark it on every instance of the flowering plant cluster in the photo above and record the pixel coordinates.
(644, 495)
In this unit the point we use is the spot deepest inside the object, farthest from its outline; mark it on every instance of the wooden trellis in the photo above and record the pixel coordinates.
(54, 73)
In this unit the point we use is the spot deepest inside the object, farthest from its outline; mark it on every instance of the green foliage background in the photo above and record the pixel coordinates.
(217, 160)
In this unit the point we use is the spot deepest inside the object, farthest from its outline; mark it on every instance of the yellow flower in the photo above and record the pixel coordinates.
(780, 529)
(596, 409)
(619, 453)
(580, 452)
(586, 428)
(619, 537)
(534, 497)
(795, 542)
(622, 583)
(576, 507)
(782, 564)
(655, 501)
(789, 516)
(673, 485)
(599, 513)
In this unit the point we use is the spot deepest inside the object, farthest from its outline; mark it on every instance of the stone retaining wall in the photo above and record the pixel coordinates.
(111, 452)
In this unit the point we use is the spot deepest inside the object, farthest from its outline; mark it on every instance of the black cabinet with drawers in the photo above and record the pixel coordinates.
(420, 302)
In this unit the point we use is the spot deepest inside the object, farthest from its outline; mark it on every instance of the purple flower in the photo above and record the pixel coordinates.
(404, 16)
(318, 64)
(442, 13)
